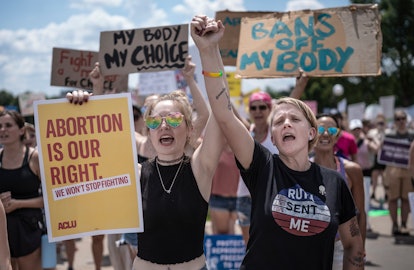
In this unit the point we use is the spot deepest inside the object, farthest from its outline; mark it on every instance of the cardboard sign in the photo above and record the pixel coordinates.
(140, 50)
(89, 167)
(229, 44)
(71, 68)
(395, 152)
(342, 41)
(224, 251)
(26, 102)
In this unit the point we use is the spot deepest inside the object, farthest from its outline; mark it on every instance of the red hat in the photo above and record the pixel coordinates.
(261, 96)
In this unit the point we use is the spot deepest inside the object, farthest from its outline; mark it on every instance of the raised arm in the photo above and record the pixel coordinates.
(199, 102)
(206, 34)
(301, 82)
(97, 80)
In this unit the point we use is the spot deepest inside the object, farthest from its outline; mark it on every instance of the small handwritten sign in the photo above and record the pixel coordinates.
(71, 68)
(140, 50)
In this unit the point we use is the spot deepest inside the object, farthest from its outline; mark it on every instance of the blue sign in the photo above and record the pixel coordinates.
(224, 251)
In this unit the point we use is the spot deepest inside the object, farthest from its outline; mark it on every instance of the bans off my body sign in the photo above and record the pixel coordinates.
(330, 42)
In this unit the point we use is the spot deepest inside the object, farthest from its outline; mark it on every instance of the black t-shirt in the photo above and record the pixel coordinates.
(295, 215)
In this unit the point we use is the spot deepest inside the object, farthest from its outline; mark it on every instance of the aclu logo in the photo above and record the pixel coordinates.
(67, 225)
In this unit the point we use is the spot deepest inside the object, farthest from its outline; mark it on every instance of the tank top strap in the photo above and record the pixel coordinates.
(26, 157)
(340, 167)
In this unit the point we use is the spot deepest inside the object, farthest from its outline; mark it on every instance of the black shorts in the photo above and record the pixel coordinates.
(24, 228)
(378, 166)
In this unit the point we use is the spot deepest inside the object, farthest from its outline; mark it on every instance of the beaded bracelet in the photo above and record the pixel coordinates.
(212, 74)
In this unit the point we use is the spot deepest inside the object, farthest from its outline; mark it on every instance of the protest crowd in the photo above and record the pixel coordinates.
(267, 184)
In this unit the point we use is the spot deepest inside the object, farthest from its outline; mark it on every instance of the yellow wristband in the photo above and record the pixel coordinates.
(213, 74)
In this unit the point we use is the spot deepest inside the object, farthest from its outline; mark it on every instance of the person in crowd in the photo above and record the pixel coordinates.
(144, 146)
(4, 242)
(346, 144)
(139, 123)
(298, 206)
(20, 193)
(377, 135)
(367, 149)
(174, 224)
(260, 106)
(30, 135)
(223, 197)
(351, 172)
(397, 180)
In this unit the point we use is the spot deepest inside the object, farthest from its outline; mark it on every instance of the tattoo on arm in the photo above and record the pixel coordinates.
(223, 91)
(357, 261)
(354, 228)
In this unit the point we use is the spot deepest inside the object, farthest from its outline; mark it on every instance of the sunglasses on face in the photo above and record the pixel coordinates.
(260, 107)
(173, 119)
(333, 131)
(400, 118)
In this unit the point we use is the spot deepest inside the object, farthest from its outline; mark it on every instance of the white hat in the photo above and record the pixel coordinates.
(355, 123)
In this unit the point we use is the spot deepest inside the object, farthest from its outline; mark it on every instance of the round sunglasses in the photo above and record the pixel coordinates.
(333, 131)
(173, 119)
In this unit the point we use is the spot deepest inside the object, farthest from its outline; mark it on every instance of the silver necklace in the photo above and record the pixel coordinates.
(175, 177)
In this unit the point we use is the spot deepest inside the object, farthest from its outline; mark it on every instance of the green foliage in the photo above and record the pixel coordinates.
(7, 98)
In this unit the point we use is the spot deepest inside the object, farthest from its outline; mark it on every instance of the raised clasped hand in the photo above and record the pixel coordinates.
(206, 31)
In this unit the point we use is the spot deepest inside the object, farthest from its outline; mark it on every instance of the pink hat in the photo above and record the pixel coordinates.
(261, 96)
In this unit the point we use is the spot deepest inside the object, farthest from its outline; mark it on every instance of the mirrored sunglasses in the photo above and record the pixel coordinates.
(173, 119)
(333, 131)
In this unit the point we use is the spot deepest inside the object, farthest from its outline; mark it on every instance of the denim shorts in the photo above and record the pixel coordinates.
(244, 207)
(218, 202)
(131, 238)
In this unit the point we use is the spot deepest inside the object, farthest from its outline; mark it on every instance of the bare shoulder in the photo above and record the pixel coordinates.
(34, 161)
(351, 165)
(352, 168)
(33, 155)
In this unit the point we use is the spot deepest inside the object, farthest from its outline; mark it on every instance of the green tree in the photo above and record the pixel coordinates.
(397, 26)
(7, 98)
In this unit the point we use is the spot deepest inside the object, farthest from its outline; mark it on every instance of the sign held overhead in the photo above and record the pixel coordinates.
(142, 50)
(343, 41)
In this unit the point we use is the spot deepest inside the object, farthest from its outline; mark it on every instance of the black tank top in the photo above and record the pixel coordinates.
(21, 182)
(173, 223)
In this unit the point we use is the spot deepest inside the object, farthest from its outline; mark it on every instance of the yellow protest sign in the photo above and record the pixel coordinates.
(89, 167)
(343, 41)
(234, 84)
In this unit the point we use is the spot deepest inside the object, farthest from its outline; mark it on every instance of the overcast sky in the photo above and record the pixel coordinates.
(30, 29)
